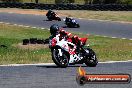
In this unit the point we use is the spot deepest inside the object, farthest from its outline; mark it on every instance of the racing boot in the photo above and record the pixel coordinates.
(73, 59)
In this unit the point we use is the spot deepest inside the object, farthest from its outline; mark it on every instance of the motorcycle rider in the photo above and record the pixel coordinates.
(68, 19)
(56, 30)
(50, 13)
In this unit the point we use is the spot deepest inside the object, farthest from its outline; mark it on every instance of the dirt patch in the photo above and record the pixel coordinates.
(31, 46)
(26, 11)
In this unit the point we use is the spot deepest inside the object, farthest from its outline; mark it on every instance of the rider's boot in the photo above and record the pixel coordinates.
(73, 59)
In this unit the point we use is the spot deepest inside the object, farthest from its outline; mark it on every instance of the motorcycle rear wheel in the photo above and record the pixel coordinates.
(60, 61)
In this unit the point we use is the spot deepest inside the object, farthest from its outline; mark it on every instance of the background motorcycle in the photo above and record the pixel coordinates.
(72, 24)
(61, 53)
(53, 17)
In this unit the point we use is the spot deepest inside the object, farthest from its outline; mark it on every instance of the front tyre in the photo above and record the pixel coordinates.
(90, 59)
(60, 61)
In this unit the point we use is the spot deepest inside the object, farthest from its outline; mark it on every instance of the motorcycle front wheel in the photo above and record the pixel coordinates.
(91, 59)
(60, 61)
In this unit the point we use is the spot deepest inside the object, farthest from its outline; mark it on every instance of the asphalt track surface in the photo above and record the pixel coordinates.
(104, 28)
(50, 76)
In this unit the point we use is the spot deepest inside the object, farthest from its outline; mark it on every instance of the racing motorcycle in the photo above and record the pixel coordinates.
(53, 17)
(72, 23)
(64, 53)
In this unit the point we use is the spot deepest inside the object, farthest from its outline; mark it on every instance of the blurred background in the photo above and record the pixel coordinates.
(128, 2)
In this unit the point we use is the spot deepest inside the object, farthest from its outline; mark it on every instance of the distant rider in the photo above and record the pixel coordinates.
(68, 19)
(50, 13)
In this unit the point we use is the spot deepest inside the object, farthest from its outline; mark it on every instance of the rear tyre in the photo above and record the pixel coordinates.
(91, 59)
(60, 61)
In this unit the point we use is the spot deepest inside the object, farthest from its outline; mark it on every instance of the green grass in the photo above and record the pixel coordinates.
(107, 49)
(10, 35)
(111, 49)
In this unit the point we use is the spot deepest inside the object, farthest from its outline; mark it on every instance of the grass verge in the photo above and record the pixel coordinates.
(107, 49)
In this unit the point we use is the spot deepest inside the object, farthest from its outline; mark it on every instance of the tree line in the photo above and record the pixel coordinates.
(85, 1)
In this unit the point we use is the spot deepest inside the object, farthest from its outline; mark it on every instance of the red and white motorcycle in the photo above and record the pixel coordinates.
(64, 53)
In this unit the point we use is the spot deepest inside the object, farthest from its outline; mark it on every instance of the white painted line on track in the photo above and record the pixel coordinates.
(42, 28)
(113, 37)
(33, 27)
(49, 64)
(107, 20)
(123, 38)
(49, 29)
(20, 25)
(27, 26)
(38, 64)
(116, 61)
(15, 24)
(105, 36)
(1, 22)
(7, 23)
(80, 18)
